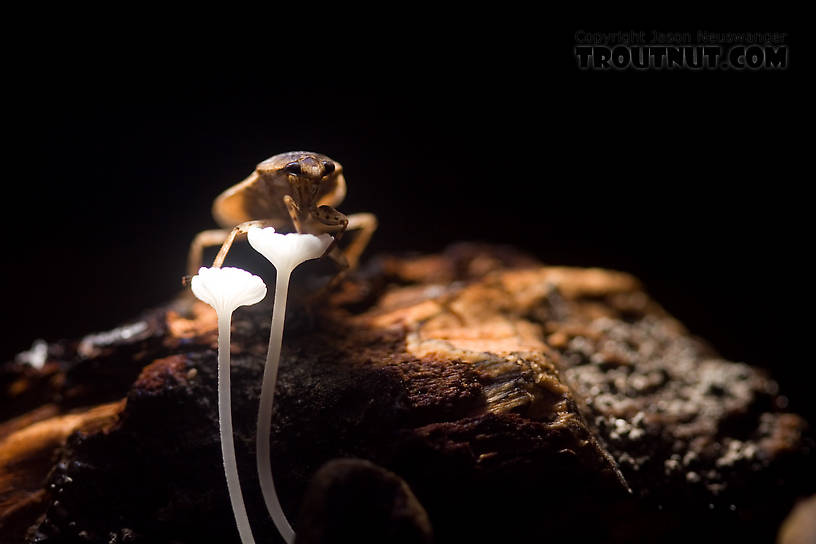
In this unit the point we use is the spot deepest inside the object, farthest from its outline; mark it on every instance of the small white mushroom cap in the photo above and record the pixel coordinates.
(287, 251)
(225, 289)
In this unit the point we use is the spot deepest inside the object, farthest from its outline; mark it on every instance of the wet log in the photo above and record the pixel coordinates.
(515, 401)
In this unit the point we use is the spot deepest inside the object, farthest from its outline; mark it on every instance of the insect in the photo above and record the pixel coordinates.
(292, 192)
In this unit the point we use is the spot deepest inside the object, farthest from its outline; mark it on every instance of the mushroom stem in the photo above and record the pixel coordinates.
(265, 410)
(225, 422)
(225, 289)
(285, 252)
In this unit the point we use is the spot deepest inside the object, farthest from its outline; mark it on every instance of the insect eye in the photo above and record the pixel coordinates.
(292, 168)
(328, 168)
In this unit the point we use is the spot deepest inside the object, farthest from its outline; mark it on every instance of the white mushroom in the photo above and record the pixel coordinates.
(285, 252)
(225, 289)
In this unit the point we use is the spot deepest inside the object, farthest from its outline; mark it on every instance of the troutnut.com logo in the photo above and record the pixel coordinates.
(701, 50)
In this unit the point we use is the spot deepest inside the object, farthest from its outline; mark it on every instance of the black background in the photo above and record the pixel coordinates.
(694, 182)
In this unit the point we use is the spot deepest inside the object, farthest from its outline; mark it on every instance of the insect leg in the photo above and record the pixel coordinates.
(366, 223)
(292, 208)
(203, 239)
(335, 254)
(241, 229)
(347, 259)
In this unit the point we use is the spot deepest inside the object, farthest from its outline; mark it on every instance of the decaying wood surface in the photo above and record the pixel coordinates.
(516, 400)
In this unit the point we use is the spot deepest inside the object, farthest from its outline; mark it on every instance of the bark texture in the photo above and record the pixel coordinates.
(517, 402)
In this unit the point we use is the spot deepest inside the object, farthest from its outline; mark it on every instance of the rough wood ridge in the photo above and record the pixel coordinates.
(516, 400)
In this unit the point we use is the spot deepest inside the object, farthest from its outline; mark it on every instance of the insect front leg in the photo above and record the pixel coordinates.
(203, 240)
(241, 229)
(294, 212)
(366, 223)
(335, 254)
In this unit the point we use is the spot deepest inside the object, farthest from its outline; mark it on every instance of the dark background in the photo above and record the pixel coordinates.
(694, 182)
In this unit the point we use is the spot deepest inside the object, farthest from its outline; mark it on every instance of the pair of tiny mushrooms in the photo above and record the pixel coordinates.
(292, 192)
(289, 192)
